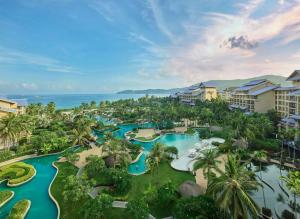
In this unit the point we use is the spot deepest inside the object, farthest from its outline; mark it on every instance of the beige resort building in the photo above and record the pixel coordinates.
(262, 95)
(202, 92)
(16, 106)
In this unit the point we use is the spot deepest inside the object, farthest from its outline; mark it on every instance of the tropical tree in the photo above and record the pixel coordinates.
(155, 156)
(208, 162)
(231, 189)
(9, 130)
(118, 150)
(94, 208)
(292, 181)
(95, 165)
(138, 208)
(72, 157)
(75, 189)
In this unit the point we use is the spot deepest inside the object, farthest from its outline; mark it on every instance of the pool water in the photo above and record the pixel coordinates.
(35, 190)
(277, 199)
(183, 142)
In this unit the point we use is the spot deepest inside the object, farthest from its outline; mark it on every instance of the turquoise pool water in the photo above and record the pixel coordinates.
(36, 190)
(182, 141)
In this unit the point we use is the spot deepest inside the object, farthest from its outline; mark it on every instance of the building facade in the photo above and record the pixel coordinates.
(254, 96)
(201, 92)
(16, 106)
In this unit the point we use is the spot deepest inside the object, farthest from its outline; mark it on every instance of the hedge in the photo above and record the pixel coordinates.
(16, 173)
(19, 210)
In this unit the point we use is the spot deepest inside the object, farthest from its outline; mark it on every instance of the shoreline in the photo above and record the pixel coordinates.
(21, 183)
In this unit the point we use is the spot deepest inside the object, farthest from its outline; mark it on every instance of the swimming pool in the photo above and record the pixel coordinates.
(35, 190)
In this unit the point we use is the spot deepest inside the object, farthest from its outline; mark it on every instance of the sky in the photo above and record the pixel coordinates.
(104, 46)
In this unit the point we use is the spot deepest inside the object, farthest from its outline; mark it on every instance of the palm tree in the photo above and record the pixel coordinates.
(231, 189)
(155, 156)
(208, 162)
(261, 155)
(293, 183)
(118, 150)
(9, 130)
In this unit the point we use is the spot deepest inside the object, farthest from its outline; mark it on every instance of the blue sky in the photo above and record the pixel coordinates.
(103, 46)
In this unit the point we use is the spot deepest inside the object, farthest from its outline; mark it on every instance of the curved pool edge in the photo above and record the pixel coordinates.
(27, 210)
(49, 190)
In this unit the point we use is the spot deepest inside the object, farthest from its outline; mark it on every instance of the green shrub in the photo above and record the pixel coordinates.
(265, 144)
(19, 209)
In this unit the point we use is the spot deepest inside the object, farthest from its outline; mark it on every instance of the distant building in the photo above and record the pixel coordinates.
(202, 92)
(254, 96)
(16, 106)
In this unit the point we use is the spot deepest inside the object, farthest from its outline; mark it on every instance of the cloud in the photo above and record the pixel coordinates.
(17, 57)
(240, 42)
(159, 19)
(105, 8)
(29, 86)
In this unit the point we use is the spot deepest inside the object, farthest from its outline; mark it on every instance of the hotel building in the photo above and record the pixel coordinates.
(262, 95)
(254, 96)
(202, 92)
(16, 106)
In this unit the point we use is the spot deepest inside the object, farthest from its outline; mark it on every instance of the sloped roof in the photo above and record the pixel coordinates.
(295, 93)
(6, 100)
(207, 84)
(255, 82)
(294, 76)
(244, 88)
(263, 90)
(287, 88)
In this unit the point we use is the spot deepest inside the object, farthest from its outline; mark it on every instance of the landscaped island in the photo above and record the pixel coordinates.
(155, 156)
(20, 210)
(5, 196)
(17, 173)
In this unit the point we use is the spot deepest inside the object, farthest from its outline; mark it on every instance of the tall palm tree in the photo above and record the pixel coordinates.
(155, 156)
(293, 183)
(9, 130)
(208, 162)
(261, 155)
(231, 189)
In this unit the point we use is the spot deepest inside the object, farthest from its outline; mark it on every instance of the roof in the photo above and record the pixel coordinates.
(255, 82)
(295, 93)
(6, 100)
(236, 106)
(244, 88)
(294, 76)
(296, 117)
(287, 88)
(263, 90)
(21, 102)
(288, 121)
(207, 84)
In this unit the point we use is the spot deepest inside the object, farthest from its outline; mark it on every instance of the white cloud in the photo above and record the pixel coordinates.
(17, 57)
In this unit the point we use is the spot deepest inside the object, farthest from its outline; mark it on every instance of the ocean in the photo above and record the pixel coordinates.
(67, 101)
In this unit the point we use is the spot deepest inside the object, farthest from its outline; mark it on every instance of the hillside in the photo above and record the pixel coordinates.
(221, 84)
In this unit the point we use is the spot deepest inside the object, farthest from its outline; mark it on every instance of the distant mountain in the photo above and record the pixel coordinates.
(221, 85)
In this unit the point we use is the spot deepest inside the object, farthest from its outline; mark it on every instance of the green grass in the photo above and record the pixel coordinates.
(19, 209)
(4, 195)
(159, 177)
(16, 173)
(67, 209)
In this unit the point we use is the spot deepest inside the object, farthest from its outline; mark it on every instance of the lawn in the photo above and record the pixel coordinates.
(159, 177)
(67, 209)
